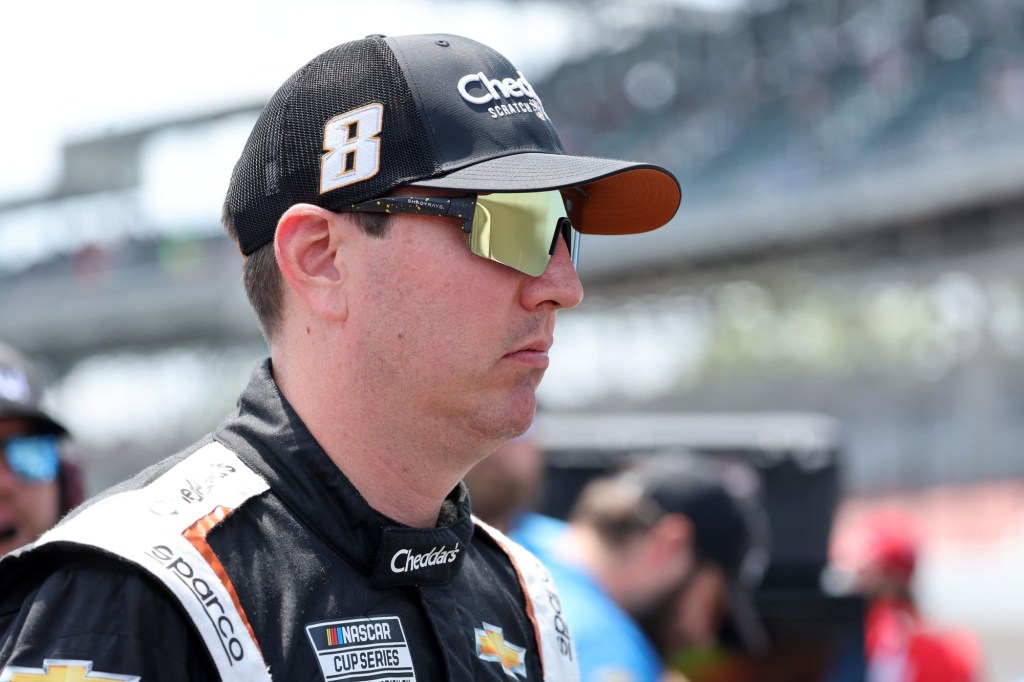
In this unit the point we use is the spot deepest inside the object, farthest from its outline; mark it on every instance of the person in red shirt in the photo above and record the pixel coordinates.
(901, 645)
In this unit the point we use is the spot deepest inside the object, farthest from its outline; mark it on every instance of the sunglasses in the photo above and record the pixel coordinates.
(520, 230)
(33, 459)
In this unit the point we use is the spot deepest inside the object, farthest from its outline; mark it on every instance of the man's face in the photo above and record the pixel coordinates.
(689, 612)
(507, 481)
(26, 509)
(700, 609)
(449, 337)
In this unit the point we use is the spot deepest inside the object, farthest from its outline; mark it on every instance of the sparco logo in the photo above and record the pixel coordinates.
(218, 613)
(561, 627)
(404, 560)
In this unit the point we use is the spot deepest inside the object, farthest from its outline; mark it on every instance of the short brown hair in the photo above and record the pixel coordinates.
(616, 509)
(261, 275)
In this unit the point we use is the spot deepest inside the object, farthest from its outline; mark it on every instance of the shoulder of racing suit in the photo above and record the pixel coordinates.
(161, 528)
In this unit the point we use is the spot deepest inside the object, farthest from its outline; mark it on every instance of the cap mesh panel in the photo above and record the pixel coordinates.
(280, 164)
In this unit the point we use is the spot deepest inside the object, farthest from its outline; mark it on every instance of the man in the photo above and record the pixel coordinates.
(409, 220)
(654, 559)
(37, 484)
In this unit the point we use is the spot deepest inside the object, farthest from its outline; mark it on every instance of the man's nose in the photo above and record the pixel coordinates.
(559, 284)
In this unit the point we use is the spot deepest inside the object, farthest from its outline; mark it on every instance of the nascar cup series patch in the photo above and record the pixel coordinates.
(362, 649)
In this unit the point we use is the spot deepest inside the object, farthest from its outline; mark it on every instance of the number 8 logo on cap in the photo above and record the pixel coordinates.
(353, 150)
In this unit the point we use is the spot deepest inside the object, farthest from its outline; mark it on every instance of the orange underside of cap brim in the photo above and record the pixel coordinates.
(638, 200)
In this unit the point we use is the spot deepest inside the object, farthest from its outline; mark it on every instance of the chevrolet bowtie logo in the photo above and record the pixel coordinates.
(61, 671)
(491, 646)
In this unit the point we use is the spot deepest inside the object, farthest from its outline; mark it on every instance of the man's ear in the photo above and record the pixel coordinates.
(310, 246)
(674, 534)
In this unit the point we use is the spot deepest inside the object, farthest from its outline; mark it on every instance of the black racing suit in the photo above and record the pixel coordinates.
(250, 556)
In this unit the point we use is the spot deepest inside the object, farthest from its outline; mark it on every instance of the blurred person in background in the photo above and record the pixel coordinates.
(901, 645)
(410, 225)
(654, 560)
(39, 482)
(506, 488)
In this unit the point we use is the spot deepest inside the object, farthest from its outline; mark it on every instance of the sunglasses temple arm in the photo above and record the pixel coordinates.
(462, 208)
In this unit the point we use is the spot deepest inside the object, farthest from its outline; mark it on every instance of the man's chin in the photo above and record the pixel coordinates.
(522, 414)
(505, 413)
(657, 618)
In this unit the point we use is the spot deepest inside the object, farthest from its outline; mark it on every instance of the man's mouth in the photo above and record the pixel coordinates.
(7, 532)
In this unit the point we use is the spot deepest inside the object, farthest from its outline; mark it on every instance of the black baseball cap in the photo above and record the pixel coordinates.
(434, 111)
(721, 498)
(20, 393)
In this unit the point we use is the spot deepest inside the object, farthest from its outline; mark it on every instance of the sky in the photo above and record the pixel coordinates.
(75, 69)
(72, 69)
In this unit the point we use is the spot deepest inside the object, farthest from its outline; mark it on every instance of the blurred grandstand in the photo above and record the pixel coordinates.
(850, 242)
(851, 235)
(850, 239)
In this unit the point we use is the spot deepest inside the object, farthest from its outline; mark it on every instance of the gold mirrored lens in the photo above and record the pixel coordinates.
(517, 230)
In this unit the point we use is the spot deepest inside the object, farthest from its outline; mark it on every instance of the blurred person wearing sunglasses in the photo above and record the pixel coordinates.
(37, 484)
(410, 225)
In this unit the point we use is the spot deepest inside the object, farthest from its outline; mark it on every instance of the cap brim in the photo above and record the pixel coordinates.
(10, 409)
(623, 197)
(745, 620)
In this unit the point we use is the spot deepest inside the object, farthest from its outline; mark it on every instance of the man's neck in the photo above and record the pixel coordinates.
(405, 479)
(393, 485)
(403, 474)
